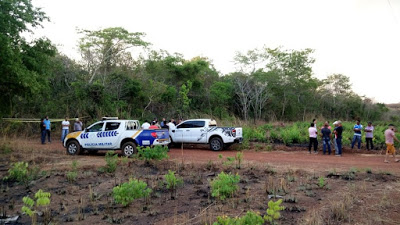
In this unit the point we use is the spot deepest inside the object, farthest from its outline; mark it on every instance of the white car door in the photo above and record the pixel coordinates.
(89, 137)
(110, 136)
(198, 132)
(181, 134)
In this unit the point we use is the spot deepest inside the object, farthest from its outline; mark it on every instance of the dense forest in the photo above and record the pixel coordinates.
(121, 74)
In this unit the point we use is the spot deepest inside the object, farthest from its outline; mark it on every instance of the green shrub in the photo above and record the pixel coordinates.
(42, 200)
(239, 159)
(73, 174)
(225, 185)
(5, 148)
(172, 182)
(251, 218)
(18, 172)
(129, 191)
(273, 211)
(321, 182)
(158, 152)
(111, 162)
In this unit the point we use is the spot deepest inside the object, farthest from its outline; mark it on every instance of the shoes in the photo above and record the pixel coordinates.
(386, 161)
(315, 152)
(397, 160)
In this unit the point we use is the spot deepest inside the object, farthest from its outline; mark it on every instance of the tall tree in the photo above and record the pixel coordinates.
(20, 62)
(102, 49)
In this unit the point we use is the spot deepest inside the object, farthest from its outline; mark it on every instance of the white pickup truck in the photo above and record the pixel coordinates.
(205, 131)
(114, 134)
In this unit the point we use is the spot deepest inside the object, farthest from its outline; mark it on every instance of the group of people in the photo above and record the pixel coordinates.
(326, 134)
(163, 124)
(45, 128)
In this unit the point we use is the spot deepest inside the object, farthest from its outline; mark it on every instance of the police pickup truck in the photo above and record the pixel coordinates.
(205, 131)
(114, 134)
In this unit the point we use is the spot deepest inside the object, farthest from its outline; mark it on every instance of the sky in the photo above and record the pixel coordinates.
(357, 38)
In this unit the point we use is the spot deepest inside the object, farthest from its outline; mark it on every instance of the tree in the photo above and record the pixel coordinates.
(102, 49)
(20, 73)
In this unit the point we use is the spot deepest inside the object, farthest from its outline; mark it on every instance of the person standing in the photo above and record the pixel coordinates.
(64, 129)
(153, 125)
(145, 125)
(389, 140)
(326, 138)
(78, 125)
(163, 122)
(48, 128)
(369, 135)
(312, 131)
(334, 138)
(42, 131)
(357, 135)
(338, 133)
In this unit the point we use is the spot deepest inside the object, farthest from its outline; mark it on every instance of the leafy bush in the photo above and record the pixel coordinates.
(273, 211)
(158, 152)
(172, 182)
(225, 185)
(42, 199)
(251, 218)
(111, 161)
(321, 182)
(71, 175)
(239, 159)
(129, 191)
(18, 172)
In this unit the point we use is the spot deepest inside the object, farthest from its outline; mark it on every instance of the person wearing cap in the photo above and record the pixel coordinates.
(313, 138)
(389, 140)
(338, 134)
(357, 135)
(369, 135)
(77, 125)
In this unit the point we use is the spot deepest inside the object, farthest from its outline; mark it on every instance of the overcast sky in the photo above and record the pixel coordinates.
(360, 38)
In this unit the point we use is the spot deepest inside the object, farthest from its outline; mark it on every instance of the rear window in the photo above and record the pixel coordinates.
(131, 125)
(112, 125)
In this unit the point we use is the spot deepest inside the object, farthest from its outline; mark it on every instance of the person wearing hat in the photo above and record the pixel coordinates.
(77, 125)
(369, 135)
(389, 140)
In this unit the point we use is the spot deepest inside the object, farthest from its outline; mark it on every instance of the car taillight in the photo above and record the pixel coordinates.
(154, 134)
(234, 132)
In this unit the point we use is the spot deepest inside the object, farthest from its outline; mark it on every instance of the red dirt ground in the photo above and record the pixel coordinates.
(282, 157)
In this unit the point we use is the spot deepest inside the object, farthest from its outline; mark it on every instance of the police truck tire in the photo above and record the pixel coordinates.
(216, 144)
(128, 149)
(73, 148)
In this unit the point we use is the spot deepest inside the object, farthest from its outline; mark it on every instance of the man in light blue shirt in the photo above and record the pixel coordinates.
(48, 127)
(357, 135)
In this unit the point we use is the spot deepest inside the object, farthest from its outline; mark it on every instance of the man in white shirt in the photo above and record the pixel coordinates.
(65, 129)
(313, 138)
(145, 125)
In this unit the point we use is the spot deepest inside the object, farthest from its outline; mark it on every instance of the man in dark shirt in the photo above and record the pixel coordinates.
(42, 131)
(338, 131)
(326, 138)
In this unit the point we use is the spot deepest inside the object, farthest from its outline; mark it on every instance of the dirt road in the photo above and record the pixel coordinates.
(283, 158)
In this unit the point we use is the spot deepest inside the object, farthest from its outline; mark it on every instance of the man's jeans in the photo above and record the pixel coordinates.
(43, 136)
(326, 142)
(358, 139)
(339, 146)
(64, 133)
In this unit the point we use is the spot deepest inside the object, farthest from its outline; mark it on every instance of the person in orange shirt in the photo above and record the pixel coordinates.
(153, 125)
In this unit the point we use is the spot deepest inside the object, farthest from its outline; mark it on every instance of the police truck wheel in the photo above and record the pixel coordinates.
(73, 148)
(216, 144)
(128, 149)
